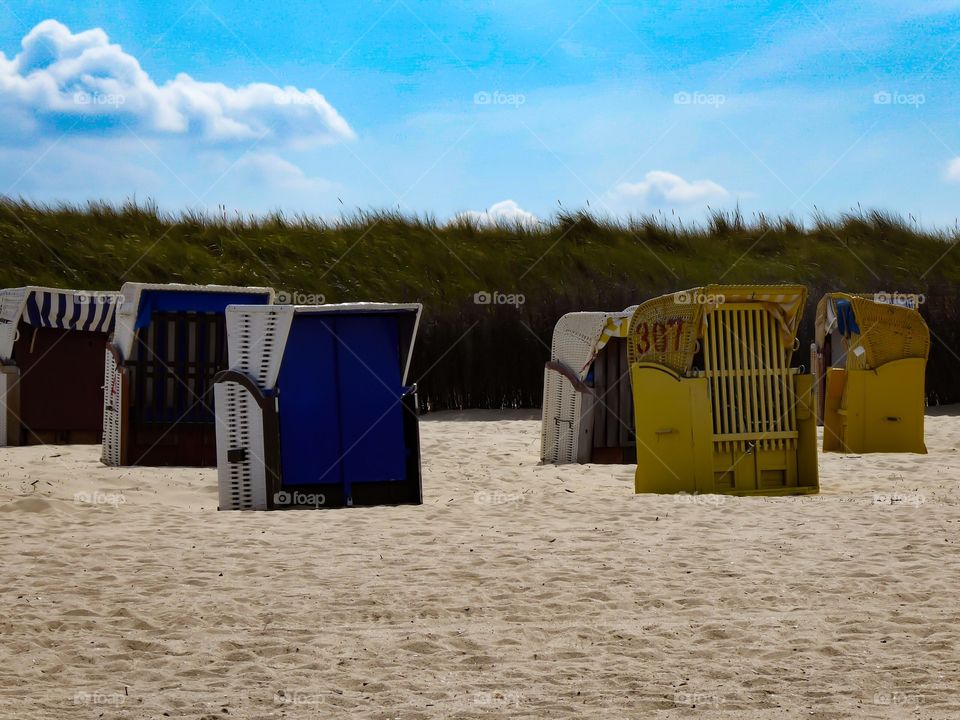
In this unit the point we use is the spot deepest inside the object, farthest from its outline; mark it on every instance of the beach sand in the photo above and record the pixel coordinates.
(516, 590)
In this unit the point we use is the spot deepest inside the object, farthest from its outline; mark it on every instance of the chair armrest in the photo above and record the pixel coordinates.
(117, 357)
(570, 375)
(264, 398)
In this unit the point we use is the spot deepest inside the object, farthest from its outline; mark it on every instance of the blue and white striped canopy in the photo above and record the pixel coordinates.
(71, 310)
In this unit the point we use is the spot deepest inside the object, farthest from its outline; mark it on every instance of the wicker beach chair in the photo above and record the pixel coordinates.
(169, 343)
(314, 410)
(51, 364)
(718, 407)
(587, 404)
(870, 357)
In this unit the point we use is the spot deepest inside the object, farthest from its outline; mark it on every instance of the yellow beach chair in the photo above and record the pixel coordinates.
(870, 360)
(718, 409)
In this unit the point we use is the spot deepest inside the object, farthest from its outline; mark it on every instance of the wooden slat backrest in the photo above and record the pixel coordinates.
(747, 368)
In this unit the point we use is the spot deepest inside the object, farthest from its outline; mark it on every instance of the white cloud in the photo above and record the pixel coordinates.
(83, 82)
(660, 187)
(270, 170)
(505, 212)
(952, 173)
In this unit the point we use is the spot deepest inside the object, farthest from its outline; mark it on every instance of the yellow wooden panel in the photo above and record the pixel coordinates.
(673, 431)
(808, 471)
(885, 408)
(833, 420)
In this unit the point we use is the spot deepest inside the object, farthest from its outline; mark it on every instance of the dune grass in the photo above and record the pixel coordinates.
(479, 355)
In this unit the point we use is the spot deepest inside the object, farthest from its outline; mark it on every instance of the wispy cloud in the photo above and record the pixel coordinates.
(952, 173)
(268, 170)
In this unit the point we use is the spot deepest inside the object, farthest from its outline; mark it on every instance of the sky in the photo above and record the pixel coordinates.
(499, 109)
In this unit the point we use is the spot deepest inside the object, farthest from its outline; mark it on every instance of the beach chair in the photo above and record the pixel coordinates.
(870, 359)
(169, 343)
(587, 404)
(718, 407)
(314, 410)
(51, 364)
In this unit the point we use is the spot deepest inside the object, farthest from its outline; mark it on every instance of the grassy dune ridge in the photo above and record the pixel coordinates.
(489, 355)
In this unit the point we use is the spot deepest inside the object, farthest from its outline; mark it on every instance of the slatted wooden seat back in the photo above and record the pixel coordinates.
(172, 367)
(748, 369)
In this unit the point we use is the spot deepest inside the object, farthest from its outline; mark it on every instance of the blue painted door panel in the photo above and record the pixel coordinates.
(370, 409)
(341, 420)
(309, 431)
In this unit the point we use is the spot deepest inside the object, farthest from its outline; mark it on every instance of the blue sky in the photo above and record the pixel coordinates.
(446, 108)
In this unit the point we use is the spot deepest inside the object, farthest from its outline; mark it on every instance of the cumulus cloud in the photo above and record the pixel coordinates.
(505, 212)
(953, 170)
(660, 187)
(82, 82)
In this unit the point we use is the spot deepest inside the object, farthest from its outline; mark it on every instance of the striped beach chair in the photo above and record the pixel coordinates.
(315, 411)
(587, 404)
(169, 343)
(870, 359)
(718, 407)
(52, 342)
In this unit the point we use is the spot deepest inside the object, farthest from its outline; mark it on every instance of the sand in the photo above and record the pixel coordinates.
(516, 590)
